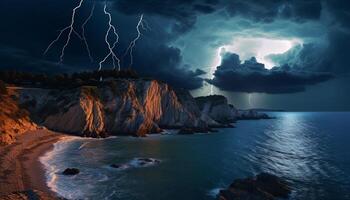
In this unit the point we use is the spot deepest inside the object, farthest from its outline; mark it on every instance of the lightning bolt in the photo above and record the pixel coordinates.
(71, 30)
(110, 47)
(145, 26)
(83, 32)
(250, 96)
(130, 48)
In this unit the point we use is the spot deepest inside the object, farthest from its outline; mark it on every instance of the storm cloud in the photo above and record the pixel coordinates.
(186, 35)
(251, 76)
(154, 57)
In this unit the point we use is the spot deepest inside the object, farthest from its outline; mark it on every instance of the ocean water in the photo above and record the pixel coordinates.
(309, 150)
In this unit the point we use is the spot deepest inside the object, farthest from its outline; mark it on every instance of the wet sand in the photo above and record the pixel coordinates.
(20, 168)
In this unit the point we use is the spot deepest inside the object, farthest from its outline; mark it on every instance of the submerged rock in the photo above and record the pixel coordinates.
(116, 166)
(148, 160)
(137, 162)
(71, 171)
(262, 187)
(186, 131)
(145, 161)
(193, 130)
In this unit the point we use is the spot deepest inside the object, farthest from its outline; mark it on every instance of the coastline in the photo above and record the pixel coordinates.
(20, 167)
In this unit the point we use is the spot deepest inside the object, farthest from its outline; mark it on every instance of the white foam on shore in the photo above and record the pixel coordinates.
(214, 192)
(52, 171)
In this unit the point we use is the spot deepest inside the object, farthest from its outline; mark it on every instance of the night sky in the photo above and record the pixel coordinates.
(279, 54)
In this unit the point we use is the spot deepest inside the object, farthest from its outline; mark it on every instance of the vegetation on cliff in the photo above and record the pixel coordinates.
(64, 80)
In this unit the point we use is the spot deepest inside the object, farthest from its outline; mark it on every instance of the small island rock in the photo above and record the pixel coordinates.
(262, 187)
(71, 171)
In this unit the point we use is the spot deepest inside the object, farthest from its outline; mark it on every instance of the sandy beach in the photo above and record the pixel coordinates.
(20, 168)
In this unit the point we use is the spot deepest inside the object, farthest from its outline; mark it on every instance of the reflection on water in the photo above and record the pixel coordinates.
(310, 150)
(291, 151)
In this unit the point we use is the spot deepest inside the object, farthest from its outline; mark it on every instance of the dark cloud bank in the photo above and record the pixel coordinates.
(251, 76)
(31, 26)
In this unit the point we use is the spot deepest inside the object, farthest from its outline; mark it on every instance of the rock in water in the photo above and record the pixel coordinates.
(116, 166)
(71, 171)
(186, 131)
(262, 187)
(251, 115)
(193, 130)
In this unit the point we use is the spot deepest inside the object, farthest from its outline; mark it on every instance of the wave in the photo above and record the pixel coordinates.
(136, 163)
(214, 192)
(50, 169)
(53, 162)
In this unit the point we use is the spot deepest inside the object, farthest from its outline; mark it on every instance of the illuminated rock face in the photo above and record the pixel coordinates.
(83, 115)
(122, 107)
(14, 121)
(140, 107)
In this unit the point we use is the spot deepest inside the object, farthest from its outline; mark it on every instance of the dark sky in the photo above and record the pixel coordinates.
(282, 54)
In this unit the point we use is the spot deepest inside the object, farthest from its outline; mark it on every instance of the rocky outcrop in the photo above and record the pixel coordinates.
(14, 120)
(251, 115)
(217, 107)
(262, 187)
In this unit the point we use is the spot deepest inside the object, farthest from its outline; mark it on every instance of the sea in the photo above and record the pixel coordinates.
(310, 150)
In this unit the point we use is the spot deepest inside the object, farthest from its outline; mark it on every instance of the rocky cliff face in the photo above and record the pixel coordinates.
(80, 112)
(121, 107)
(13, 119)
(216, 107)
(140, 107)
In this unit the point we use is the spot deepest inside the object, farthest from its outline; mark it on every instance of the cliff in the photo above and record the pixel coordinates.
(218, 109)
(13, 119)
(115, 107)
(119, 107)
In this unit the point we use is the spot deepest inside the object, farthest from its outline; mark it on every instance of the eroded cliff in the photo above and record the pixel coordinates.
(14, 120)
(116, 107)
(217, 107)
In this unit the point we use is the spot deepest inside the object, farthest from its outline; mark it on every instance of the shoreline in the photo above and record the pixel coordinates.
(20, 167)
